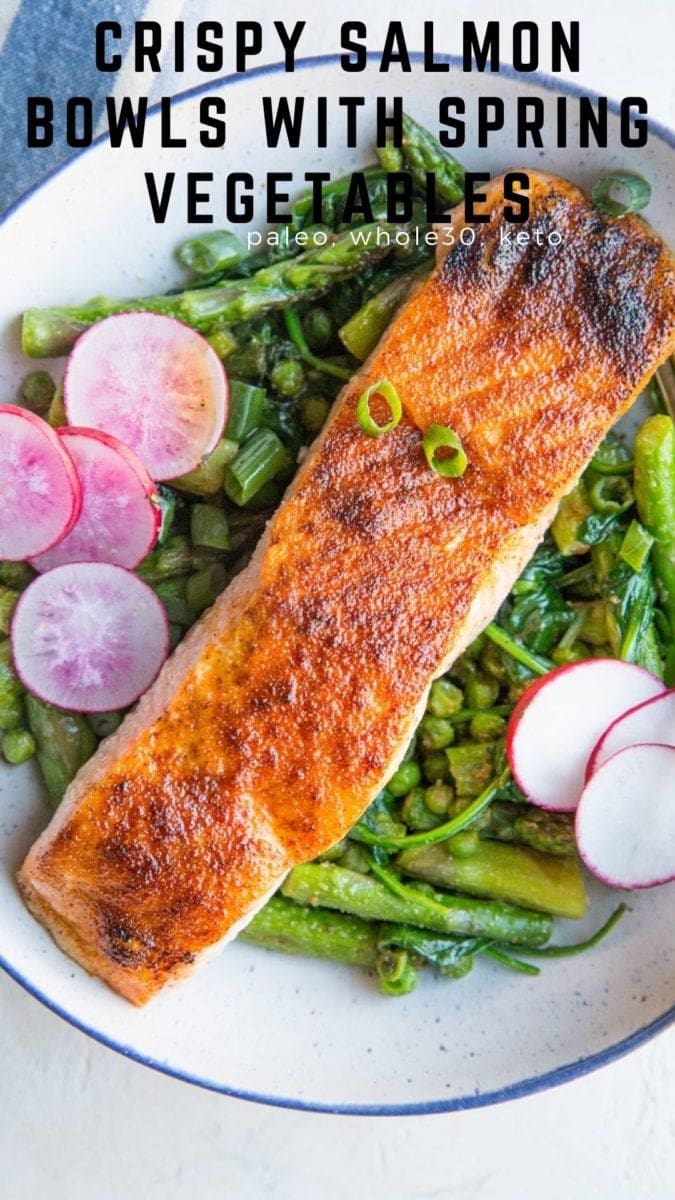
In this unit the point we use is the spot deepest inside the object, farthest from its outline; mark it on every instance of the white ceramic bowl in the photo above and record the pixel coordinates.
(254, 1024)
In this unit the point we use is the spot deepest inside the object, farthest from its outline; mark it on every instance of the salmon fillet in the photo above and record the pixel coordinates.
(284, 711)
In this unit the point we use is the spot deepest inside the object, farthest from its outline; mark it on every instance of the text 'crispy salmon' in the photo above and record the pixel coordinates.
(287, 707)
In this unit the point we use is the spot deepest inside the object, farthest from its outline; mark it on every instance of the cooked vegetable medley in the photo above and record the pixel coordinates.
(451, 861)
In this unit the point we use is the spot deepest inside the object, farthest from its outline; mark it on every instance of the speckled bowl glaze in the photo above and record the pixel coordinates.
(286, 1031)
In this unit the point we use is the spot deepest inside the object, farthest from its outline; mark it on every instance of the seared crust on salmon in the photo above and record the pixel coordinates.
(288, 706)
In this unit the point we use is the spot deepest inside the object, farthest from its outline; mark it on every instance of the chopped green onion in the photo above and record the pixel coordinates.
(396, 974)
(439, 437)
(638, 189)
(612, 465)
(209, 528)
(217, 251)
(246, 409)
(611, 494)
(367, 423)
(636, 545)
(258, 461)
(207, 479)
(204, 587)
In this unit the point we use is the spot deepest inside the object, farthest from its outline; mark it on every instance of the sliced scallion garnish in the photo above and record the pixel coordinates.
(367, 422)
(439, 437)
(638, 191)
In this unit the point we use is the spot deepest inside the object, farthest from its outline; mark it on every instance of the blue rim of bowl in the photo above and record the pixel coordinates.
(477, 1099)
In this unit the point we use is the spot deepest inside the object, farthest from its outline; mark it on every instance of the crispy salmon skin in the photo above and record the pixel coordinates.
(287, 707)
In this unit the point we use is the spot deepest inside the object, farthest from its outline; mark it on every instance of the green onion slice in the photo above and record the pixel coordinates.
(439, 437)
(611, 494)
(367, 423)
(638, 190)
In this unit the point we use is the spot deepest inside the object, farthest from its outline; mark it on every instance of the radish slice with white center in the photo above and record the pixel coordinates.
(558, 721)
(40, 494)
(152, 382)
(653, 721)
(120, 515)
(90, 637)
(625, 822)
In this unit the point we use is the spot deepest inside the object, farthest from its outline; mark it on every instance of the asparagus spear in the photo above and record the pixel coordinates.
(331, 886)
(48, 332)
(550, 833)
(655, 495)
(515, 874)
(316, 933)
(420, 153)
(361, 333)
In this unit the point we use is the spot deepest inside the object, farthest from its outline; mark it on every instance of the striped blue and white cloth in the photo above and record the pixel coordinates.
(47, 49)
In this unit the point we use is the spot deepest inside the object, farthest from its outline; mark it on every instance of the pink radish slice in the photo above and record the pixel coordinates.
(153, 383)
(652, 721)
(625, 822)
(120, 513)
(558, 721)
(40, 494)
(90, 637)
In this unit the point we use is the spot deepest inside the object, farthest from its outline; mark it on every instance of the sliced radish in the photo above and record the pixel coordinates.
(625, 822)
(40, 494)
(558, 721)
(153, 383)
(652, 721)
(120, 513)
(90, 637)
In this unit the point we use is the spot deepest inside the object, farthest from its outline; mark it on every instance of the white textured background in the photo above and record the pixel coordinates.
(78, 1121)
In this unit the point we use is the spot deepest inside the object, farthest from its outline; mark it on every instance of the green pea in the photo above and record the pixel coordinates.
(438, 798)
(492, 662)
(11, 712)
(487, 727)
(16, 575)
(18, 745)
(287, 377)
(319, 327)
(481, 692)
(435, 767)
(37, 392)
(8, 602)
(568, 654)
(445, 698)
(435, 733)
(464, 844)
(404, 779)
(416, 813)
(314, 411)
(355, 858)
